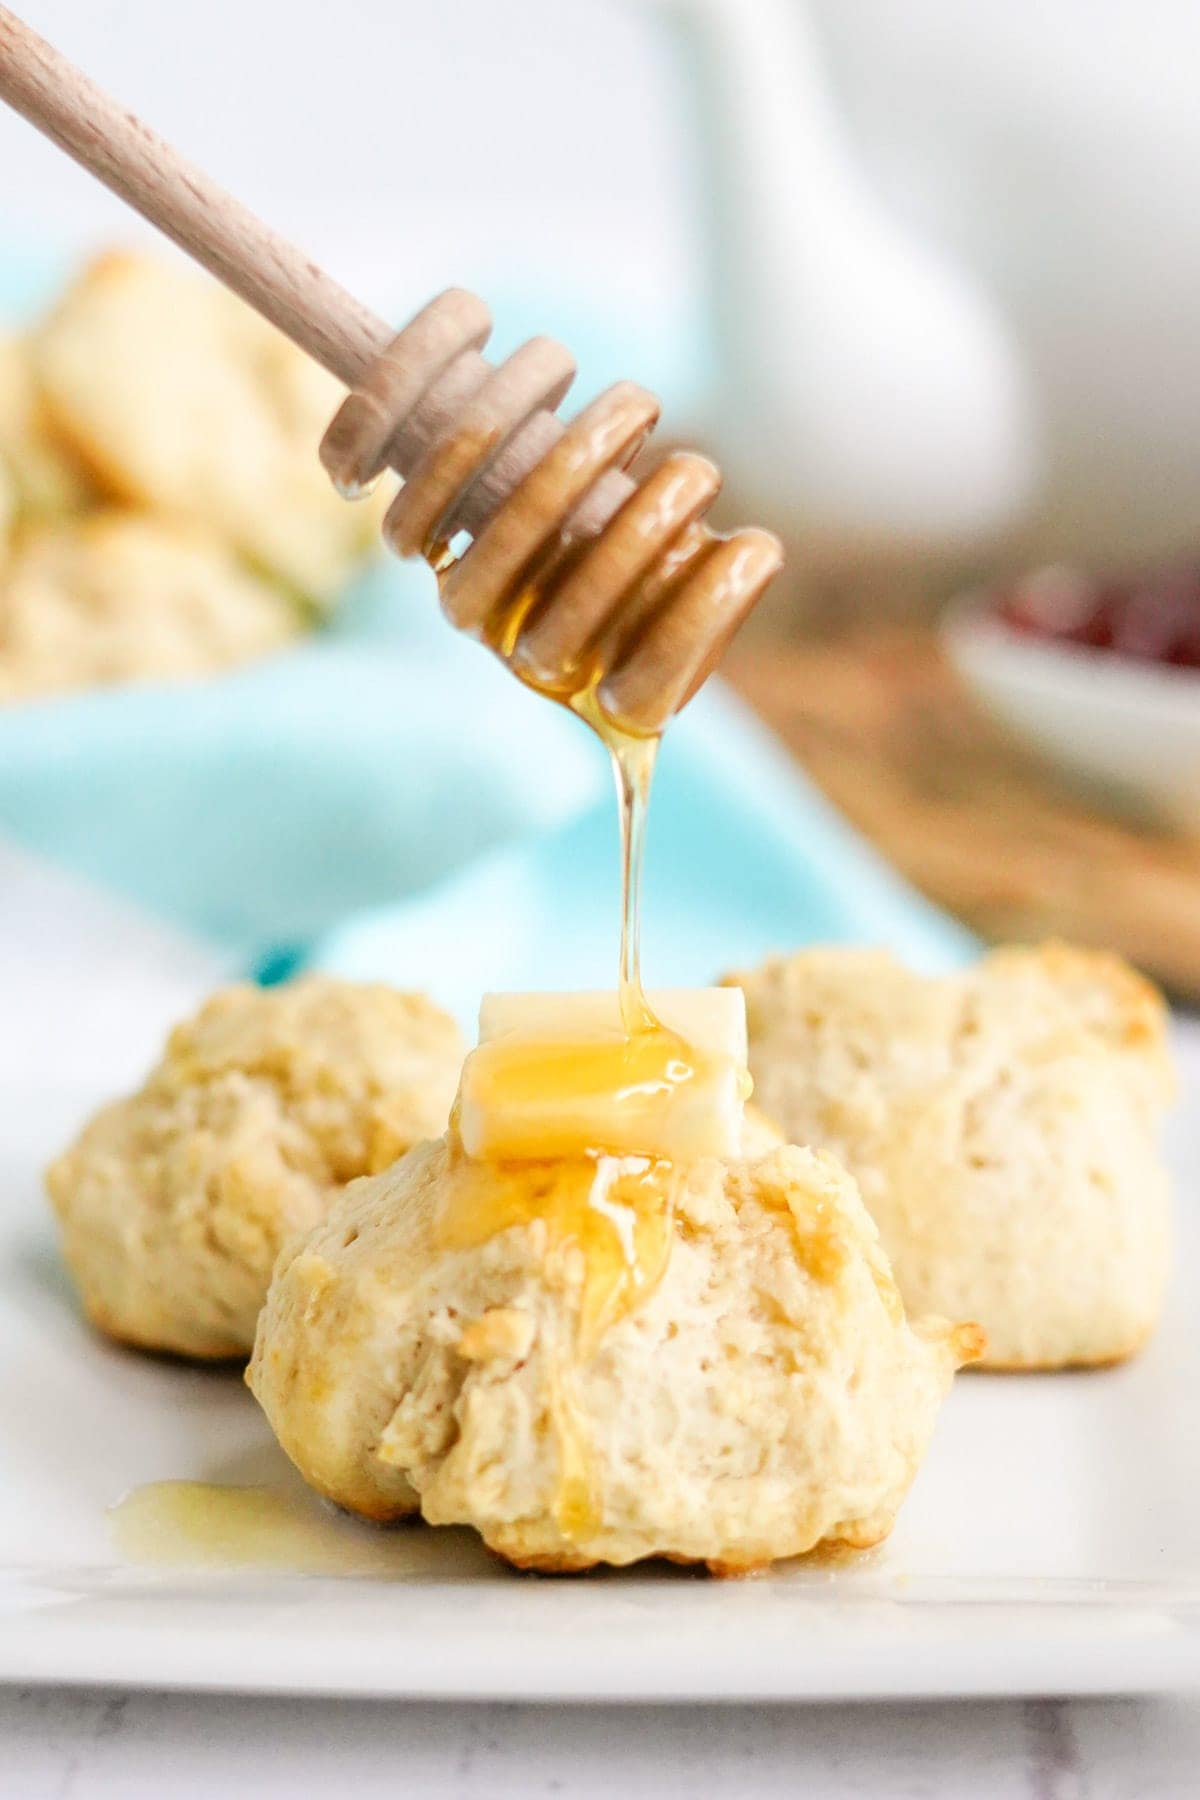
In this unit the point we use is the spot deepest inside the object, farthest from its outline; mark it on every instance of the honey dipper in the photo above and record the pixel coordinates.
(584, 580)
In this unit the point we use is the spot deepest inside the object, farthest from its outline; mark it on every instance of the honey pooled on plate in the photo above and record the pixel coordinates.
(210, 1524)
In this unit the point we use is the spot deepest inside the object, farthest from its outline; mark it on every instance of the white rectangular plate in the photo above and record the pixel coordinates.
(1050, 1544)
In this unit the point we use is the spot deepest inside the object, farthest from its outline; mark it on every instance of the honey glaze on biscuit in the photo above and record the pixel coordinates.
(607, 1223)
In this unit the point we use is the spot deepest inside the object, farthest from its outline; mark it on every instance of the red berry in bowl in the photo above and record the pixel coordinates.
(1153, 618)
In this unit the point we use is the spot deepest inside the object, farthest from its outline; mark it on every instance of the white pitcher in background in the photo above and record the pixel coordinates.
(869, 391)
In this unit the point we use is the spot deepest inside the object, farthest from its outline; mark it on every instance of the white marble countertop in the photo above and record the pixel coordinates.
(60, 1745)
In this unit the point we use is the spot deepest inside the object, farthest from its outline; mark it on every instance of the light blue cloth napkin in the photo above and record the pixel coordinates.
(261, 808)
(386, 801)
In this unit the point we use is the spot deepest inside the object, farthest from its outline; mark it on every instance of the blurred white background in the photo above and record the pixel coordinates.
(562, 151)
(406, 144)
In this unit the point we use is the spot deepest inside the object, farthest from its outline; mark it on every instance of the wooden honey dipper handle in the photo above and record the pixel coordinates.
(577, 576)
(266, 271)
(271, 275)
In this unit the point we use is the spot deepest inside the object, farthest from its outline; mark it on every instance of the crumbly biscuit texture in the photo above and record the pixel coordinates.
(766, 1396)
(174, 1202)
(115, 597)
(179, 399)
(1003, 1126)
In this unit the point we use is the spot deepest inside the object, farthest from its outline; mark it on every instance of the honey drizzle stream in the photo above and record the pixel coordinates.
(633, 761)
(633, 768)
(633, 757)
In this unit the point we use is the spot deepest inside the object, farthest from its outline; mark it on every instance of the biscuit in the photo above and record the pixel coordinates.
(1003, 1126)
(179, 399)
(8, 516)
(43, 477)
(174, 1202)
(766, 1395)
(115, 597)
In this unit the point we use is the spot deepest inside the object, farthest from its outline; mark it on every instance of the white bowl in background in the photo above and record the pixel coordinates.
(1129, 726)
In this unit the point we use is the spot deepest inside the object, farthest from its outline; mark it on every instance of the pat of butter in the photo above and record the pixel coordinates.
(556, 1075)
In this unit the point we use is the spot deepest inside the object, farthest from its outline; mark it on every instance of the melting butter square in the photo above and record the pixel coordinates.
(556, 1075)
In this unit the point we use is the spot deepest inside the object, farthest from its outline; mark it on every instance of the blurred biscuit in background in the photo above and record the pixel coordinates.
(1003, 1124)
(116, 597)
(8, 515)
(177, 398)
(41, 473)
